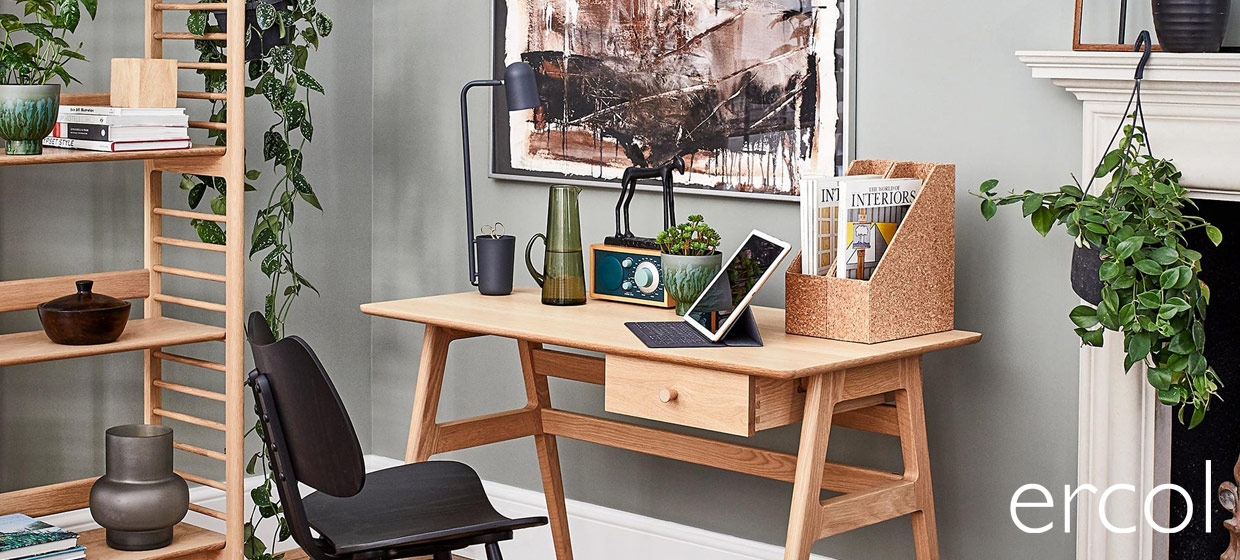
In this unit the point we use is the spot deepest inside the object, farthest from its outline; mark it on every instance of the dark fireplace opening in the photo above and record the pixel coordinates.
(1218, 438)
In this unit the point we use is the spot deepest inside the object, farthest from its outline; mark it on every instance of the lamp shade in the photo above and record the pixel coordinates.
(521, 87)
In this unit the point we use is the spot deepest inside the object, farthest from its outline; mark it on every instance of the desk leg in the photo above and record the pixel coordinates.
(539, 395)
(805, 524)
(912, 416)
(422, 428)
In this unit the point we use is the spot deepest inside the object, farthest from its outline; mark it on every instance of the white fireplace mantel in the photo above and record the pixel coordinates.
(1192, 111)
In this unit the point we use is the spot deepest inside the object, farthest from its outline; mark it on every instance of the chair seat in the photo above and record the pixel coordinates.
(410, 505)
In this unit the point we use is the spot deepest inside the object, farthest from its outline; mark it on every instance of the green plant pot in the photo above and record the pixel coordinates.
(685, 278)
(27, 115)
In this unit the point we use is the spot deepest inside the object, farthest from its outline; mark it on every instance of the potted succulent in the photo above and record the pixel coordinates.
(1151, 289)
(690, 260)
(33, 54)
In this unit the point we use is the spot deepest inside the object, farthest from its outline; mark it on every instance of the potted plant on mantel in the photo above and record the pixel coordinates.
(690, 260)
(1151, 290)
(32, 55)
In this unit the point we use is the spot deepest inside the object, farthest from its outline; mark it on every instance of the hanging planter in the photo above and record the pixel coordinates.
(260, 38)
(1191, 26)
(1133, 260)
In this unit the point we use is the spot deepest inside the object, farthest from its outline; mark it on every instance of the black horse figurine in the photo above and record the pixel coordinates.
(628, 186)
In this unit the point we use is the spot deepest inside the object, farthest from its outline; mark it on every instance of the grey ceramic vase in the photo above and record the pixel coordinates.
(140, 499)
(686, 277)
(27, 116)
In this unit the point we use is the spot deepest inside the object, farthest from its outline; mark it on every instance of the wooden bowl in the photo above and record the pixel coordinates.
(84, 318)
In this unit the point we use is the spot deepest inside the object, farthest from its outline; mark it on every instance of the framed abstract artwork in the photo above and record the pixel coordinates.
(751, 93)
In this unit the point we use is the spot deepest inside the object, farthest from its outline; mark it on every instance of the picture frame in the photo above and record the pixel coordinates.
(1121, 46)
(501, 168)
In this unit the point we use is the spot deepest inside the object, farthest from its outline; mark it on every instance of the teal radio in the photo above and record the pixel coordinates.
(629, 275)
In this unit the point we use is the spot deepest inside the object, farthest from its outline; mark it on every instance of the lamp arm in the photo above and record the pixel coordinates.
(469, 188)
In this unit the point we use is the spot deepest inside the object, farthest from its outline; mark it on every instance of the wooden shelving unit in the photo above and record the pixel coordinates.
(155, 334)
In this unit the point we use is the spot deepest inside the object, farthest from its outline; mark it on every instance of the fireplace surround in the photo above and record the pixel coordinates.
(1192, 106)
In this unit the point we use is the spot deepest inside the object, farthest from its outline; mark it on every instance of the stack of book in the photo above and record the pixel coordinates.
(117, 129)
(24, 538)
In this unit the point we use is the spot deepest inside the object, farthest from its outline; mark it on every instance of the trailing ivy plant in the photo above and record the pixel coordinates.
(35, 52)
(1152, 291)
(279, 76)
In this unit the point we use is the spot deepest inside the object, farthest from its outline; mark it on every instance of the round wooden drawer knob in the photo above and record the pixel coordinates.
(667, 395)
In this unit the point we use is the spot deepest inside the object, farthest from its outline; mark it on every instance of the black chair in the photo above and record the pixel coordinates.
(417, 509)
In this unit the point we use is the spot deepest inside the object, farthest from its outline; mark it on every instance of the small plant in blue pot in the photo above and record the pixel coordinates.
(33, 54)
(691, 259)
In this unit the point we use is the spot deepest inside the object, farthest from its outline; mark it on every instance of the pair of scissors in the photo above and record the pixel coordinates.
(495, 231)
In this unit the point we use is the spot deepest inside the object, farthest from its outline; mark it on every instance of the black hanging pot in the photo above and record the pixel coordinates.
(1086, 274)
(1191, 26)
(259, 43)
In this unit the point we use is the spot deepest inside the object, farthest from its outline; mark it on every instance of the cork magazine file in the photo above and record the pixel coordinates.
(911, 293)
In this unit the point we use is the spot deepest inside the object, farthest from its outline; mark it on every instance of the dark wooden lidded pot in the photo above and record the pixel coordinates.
(84, 318)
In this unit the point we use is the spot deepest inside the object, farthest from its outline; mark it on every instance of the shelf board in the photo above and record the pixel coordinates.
(187, 540)
(140, 334)
(58, 155)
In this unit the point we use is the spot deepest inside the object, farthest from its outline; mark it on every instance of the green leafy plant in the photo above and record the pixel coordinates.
(1152, 291)
(35, 52)
(692, 238)
(280, 76)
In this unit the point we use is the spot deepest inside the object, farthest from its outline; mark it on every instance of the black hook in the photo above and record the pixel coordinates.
(1146, 46)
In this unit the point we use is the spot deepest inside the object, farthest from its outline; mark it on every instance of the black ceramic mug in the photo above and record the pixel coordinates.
(495, 261)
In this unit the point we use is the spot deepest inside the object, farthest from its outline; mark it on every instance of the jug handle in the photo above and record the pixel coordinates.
(529, 264)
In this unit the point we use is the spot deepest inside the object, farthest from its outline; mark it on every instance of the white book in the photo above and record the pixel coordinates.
(119, 111)
(71, 144)
(870, 213)
(171, 119)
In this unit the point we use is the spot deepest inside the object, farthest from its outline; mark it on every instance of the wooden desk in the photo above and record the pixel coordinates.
(820, 383)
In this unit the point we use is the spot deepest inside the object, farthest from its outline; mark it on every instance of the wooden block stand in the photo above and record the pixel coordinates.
(911, 293)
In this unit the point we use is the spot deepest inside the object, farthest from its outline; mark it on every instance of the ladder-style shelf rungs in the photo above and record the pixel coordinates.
(57, 155)
(187, 540)
(140, 334)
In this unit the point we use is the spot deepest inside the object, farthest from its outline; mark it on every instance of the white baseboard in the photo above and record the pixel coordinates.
(598, 533)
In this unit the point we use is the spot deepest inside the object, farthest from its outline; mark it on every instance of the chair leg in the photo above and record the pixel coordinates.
(493, 551)
(442, 556)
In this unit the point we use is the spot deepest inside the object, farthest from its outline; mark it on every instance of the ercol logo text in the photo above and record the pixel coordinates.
(1036, 496)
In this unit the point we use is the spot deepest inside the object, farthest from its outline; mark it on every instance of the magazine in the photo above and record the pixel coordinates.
(22, 536)
(819, 213)
(870, 214)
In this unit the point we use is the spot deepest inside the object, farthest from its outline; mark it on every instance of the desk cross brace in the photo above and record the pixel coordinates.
(880, 399)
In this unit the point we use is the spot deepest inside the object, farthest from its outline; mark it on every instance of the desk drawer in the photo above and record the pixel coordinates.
(700, 398)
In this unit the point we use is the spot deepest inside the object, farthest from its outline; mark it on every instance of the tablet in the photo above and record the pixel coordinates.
(727, 296)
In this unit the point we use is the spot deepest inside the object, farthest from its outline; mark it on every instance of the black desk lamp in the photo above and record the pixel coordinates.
(521, 90)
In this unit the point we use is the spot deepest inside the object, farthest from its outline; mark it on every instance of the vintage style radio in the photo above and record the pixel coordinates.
(628, 274)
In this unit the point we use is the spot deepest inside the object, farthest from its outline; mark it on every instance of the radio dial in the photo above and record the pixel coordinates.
(627, 262)
(646, 277)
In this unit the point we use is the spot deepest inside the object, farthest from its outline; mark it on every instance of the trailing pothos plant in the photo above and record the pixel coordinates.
(35, 52)
(1152, 291)
(280, 76)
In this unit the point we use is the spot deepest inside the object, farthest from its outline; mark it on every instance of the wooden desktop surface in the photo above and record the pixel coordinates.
(599, 326)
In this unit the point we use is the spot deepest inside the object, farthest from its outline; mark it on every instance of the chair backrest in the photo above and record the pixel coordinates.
(319, 441)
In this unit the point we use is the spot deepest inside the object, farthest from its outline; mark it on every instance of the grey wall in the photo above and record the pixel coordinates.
(62, 220)
(937, 81)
